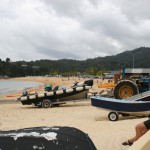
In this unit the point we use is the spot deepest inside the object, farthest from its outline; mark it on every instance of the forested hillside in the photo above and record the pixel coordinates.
(67, 67)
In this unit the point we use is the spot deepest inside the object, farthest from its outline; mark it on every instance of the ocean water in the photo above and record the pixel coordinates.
(8, 86)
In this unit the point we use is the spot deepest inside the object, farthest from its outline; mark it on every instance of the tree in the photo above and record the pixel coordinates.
(92, 70)
(7, 60)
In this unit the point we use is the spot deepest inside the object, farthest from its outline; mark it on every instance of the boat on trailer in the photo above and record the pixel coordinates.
(77, 92)
(138, 105)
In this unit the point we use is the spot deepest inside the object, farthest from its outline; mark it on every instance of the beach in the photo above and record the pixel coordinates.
(105, 134)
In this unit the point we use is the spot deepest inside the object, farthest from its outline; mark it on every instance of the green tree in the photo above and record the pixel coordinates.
(7, 60)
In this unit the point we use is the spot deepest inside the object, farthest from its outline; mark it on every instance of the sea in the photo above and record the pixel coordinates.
(9, 86)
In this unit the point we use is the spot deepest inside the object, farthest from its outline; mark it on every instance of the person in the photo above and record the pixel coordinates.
(25, 93)
(140, 129)
(48, 87)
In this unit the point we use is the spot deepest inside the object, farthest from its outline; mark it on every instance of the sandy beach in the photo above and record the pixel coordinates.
(105, 134)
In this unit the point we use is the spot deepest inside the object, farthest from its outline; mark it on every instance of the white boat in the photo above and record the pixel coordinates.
(77, 92)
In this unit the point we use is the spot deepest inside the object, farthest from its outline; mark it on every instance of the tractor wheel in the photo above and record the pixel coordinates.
(125, 89)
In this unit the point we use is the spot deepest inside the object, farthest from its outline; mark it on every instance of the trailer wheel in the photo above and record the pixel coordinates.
(113, 116)
(46, 104)
(125, 89)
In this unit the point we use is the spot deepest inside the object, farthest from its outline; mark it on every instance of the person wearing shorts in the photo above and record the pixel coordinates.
(140, 130)
(147, 124)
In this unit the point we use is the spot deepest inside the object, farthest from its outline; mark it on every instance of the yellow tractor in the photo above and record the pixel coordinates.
(125, 88)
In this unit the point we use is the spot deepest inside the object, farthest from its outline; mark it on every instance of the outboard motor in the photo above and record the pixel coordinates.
(24, 93)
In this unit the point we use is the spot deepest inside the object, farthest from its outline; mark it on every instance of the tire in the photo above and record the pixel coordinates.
(113, 116)
(46, 104)
(125, 89)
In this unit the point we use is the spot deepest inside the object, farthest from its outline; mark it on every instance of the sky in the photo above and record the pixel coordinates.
(72, 29)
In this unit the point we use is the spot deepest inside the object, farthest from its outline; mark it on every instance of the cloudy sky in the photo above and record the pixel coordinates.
(73, 29)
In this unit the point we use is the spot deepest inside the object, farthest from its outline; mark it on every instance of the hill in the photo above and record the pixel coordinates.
(73, 67)
(140, 56)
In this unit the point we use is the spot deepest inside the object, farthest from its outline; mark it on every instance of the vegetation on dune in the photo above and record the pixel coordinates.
(71, 67)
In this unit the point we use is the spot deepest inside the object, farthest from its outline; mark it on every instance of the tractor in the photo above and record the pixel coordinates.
(125, 88)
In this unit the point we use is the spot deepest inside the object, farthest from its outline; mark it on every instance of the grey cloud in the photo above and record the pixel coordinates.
(70, 8)
(136, 10)
(76, 29)
(54, 52)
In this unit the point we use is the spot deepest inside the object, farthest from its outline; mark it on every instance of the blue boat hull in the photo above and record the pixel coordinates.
(122, 106)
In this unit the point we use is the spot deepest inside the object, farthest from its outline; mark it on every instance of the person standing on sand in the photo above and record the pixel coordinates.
(140, 129)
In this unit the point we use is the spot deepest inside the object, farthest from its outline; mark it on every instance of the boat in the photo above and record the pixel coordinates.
(138, 106)
(54, 138)
(77, 92)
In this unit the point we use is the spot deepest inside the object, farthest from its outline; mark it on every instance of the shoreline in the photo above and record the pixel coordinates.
(13, 94)
(54, 81)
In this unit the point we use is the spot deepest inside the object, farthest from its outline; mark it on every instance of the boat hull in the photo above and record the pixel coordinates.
(77, 92)
(65, 97)
(122, 106)
(54, 138)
